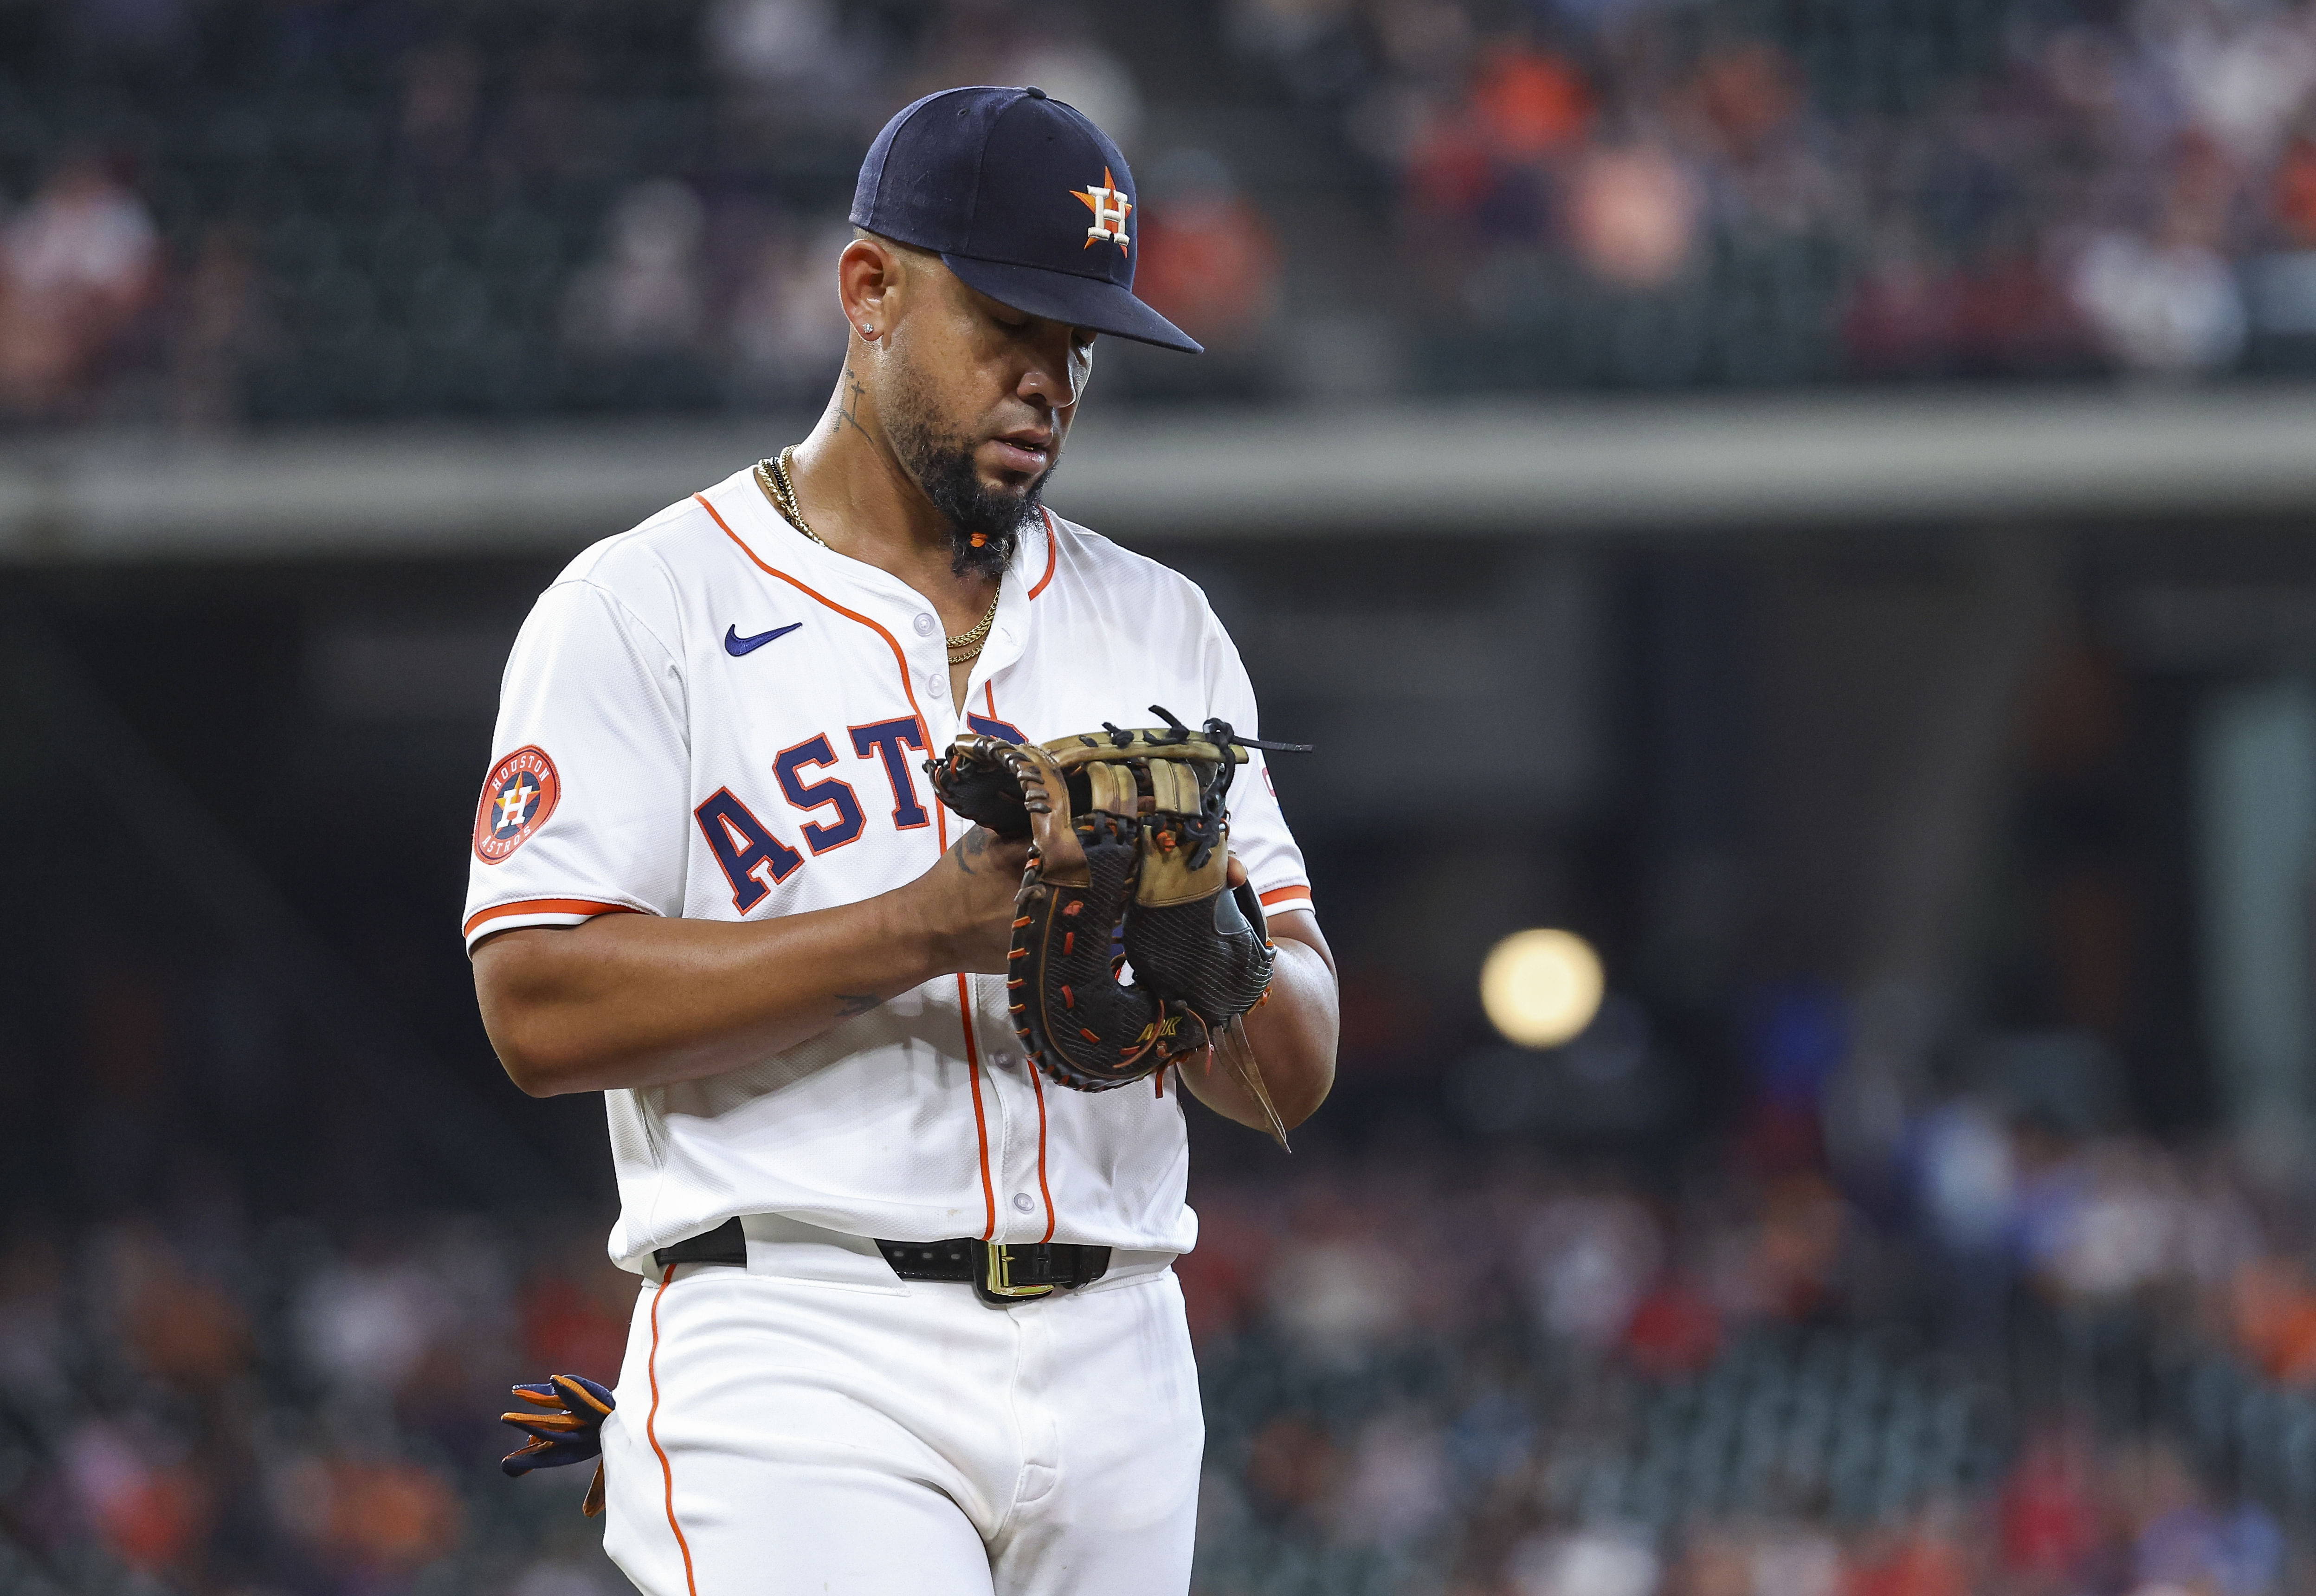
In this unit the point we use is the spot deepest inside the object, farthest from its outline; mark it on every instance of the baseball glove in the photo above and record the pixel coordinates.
(1130, 842)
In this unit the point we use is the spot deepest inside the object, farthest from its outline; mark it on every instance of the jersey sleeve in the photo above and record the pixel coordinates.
(583, 812)
(1258, 827)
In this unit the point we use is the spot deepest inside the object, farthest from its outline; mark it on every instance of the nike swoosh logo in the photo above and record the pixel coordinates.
(736, 644)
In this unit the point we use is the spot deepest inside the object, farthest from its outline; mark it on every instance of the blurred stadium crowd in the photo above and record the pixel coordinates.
(1815, 1336)
(1424, 1374)
(213, 211)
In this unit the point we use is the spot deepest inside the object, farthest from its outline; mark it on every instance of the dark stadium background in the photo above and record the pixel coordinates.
(1814, 497)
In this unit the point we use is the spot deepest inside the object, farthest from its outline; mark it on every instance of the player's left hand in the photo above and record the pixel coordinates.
(567, 1429)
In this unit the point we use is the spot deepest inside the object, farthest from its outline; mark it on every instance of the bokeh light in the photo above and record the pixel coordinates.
(1541, 989)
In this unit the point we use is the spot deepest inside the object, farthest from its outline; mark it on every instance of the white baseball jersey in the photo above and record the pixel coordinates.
(712, 716)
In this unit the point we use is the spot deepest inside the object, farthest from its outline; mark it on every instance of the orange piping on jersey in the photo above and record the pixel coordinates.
(899, 658)
(980, 1120)
(1279, 894)
(1043, 1191)
(651, 1433)
(1053, 545)
(546, 905)
(972, 1051)
(940, 825)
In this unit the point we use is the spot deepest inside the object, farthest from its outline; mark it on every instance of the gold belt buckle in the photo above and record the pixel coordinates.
(995, 1282)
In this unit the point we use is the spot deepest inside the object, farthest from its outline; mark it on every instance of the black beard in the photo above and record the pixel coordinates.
(945, 472)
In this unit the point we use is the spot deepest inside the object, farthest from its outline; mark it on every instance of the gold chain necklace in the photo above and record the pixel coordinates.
(965, 646)
(772, 477)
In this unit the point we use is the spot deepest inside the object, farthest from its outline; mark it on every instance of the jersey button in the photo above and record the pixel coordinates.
(1022, 1201)
(925, 625)
(936, 684)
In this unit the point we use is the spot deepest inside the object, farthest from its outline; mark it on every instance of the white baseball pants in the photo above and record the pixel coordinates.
(813, 1423)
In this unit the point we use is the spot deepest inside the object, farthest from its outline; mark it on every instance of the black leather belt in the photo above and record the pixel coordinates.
(1001, 1273)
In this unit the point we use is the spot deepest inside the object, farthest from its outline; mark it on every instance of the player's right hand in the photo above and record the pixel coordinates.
(969, 899)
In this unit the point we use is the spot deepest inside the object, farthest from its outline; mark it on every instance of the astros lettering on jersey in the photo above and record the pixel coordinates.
(712, 716)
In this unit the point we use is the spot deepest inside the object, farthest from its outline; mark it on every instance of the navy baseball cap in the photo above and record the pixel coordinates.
(1023, 198)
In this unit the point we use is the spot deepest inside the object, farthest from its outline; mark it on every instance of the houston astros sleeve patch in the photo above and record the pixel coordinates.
(518, 795)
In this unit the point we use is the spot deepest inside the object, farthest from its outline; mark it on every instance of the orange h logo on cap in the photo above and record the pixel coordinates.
(1110, 206)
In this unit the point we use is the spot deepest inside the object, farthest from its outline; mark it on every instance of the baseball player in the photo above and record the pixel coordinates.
(908, 1321)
